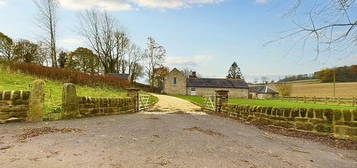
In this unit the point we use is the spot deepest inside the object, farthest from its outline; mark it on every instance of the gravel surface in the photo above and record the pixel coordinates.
(162, 140)
(173, 104)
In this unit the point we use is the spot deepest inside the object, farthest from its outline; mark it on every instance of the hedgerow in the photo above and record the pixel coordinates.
(69, 76)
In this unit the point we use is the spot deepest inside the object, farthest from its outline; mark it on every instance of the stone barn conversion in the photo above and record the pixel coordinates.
(177, 83)
(262, 92)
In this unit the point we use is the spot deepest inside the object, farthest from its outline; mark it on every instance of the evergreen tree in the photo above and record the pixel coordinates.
(234, 72)
(62, 59)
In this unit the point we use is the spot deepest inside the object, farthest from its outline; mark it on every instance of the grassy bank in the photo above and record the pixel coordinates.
(310, 89)
(267, 103)
(53, 94)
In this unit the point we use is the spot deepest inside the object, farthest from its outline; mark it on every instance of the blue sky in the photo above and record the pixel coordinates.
(206, 35)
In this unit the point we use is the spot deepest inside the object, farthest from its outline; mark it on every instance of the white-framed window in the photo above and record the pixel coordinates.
(174, 81)
(193, 91)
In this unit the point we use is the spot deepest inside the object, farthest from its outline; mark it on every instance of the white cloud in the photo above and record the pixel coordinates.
(117, 5)
(111, 5)
(261, 1)
(2, 3)
(172, 3)
(348, 60)
(194, 61)
(71, 42)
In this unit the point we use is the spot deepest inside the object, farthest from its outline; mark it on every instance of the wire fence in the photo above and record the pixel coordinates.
(322, 100)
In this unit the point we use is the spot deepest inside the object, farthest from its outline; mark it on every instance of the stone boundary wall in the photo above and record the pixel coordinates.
(78, 107)
(89, 107)
(14, 106)
(18, 106)
(339, 123)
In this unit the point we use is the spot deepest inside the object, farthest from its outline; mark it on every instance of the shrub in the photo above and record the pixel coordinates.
(284, 89)
(70, 76)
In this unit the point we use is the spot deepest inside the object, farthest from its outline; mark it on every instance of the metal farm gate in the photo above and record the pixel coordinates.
(144, 102)
(209, 102)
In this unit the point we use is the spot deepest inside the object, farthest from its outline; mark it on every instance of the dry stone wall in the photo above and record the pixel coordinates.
(339, 123)
(77, 107)
(89, 107)
(14, 106)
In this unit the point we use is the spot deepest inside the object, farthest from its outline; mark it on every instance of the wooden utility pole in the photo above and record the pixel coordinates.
(334, 82)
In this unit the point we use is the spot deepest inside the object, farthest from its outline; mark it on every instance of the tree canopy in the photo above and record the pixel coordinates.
(234, 72)
(82, 59)
(6, 46)
(26, 51)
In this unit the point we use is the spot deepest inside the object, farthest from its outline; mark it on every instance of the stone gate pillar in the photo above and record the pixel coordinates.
(134, 93)
(36, 102)
(221, 98)
(69, 101)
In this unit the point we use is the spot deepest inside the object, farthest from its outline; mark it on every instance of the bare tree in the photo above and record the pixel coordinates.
(155, 54)
(284, 88)
(47, 20)
(43, 51)
(105, 38)
(26, 51)
(137, 71)
(122, 43)
(186, 71)
(6, 46)
(135, 56)
(328, 24)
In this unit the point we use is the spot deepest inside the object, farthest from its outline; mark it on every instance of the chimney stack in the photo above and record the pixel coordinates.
(193, 74)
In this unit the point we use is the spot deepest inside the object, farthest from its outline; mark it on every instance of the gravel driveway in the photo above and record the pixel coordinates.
(163, 140)
(160, 139)
(173, 104)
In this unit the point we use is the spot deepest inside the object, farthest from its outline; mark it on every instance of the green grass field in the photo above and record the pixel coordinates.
(194, 99)
(53, 94)
(267, 103)
(152, 99)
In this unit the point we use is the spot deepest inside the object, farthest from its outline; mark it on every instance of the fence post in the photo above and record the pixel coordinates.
(69, 101)
(339, 100)
(134, 93)
(353, 101)
(314, 99)
(304, 99)
(326, 100)
(37, 99)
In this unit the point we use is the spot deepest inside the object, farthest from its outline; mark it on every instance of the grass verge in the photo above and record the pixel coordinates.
(53, 91)
(199, 100)
(267, 103)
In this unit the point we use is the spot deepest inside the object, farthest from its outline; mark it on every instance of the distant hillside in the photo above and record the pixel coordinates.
(315, 88)
(343, 74)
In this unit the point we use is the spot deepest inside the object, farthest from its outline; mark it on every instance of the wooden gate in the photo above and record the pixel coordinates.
(209, 103)
(143, 102)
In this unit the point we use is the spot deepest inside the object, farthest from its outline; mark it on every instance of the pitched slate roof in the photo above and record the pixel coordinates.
(123, 76)
(262, 89)
(216, 83)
